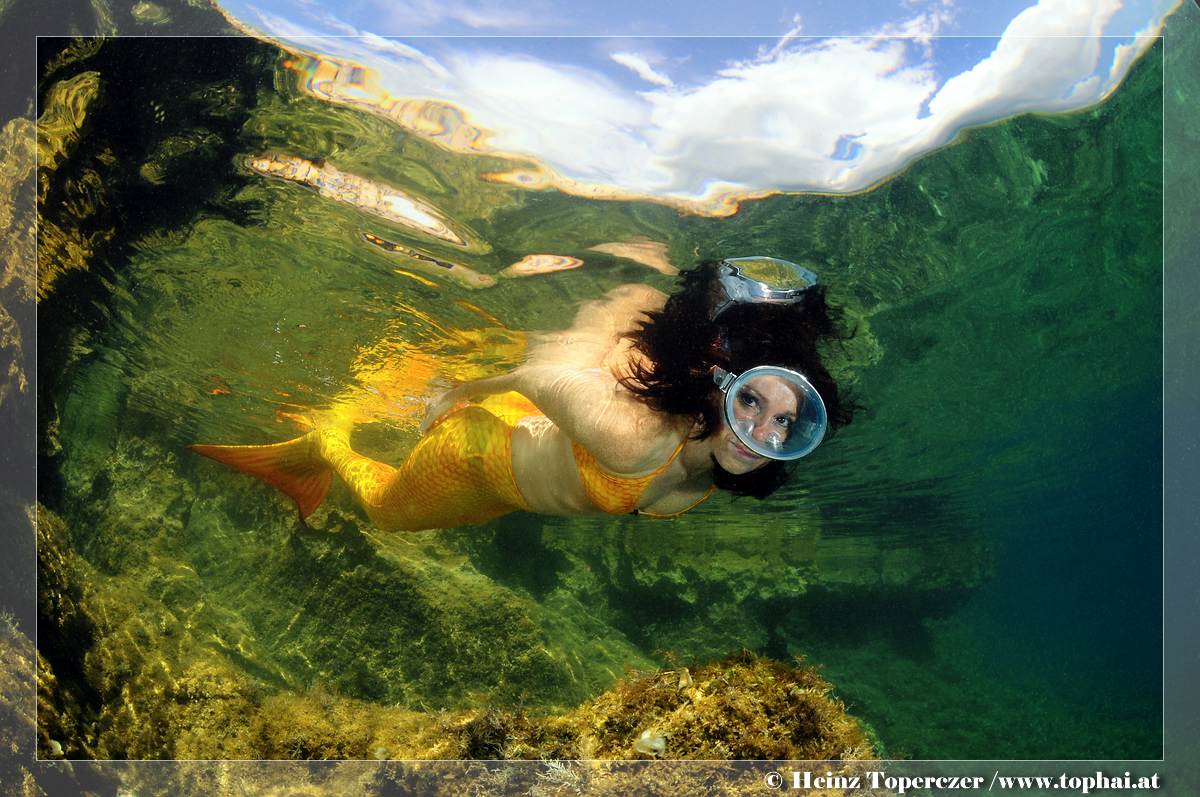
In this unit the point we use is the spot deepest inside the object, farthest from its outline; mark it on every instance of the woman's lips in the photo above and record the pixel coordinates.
(743, 452)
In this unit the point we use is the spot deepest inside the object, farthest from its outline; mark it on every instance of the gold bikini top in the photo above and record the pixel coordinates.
(619, 495)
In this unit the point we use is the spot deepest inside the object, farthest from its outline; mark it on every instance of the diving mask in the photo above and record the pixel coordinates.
(775, 412)
(759, 279)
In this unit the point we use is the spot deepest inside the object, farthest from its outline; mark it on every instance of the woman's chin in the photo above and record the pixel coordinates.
(736, 463)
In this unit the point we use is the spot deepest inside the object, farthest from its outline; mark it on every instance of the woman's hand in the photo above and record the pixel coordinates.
(438, 405)
(442, 403)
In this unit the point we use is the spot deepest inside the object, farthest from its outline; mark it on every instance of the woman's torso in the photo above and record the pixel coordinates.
(545, 464)
(547, 468)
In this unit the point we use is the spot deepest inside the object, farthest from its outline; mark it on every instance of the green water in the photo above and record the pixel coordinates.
(975, 561)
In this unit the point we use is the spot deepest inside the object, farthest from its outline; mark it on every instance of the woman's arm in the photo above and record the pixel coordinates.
(567, 376)
(623, 434)
(598, 328)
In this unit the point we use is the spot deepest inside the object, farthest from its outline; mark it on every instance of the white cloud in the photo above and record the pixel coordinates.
(1046, 51)
(1127, 53)
(405, 52)
(568, 117)
(642, 68)
(765, 54)
(780, 120)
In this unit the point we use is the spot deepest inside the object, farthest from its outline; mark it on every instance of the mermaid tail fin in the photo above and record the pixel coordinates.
(295, 468)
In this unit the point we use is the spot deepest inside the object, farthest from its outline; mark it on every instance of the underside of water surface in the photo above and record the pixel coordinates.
(973, 564)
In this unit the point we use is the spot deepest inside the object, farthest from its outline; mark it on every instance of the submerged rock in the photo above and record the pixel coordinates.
(20, 708)
(742, 707)
(149, 13)
(68, 240)
(166, 669)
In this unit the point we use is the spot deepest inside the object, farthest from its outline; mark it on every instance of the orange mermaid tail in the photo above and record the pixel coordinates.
(295, 468)
(459, 473)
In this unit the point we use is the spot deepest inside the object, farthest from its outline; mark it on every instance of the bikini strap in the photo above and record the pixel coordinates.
(674, 456)
(672, 515)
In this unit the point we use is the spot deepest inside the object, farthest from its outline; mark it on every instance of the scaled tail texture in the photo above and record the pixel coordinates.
(294, 468)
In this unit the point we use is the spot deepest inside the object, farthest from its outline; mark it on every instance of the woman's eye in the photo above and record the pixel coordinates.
(748, 400)
(784, 422)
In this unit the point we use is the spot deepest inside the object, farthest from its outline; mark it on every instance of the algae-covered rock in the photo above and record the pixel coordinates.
(121, 675)
(65, 633)
(69, 198)
(167, 671)
(17, 705)
(61, 617)
(62, 730)
(17, 258)
(66, 109)
(17, 147)
(743, 707)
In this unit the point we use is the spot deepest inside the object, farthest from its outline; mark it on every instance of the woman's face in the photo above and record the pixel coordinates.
(765, 408)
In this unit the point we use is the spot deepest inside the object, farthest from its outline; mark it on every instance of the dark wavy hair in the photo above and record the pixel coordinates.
(681, 344)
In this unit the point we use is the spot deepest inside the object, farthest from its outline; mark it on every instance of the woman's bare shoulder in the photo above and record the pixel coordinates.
(619, 310)
(598, 328)
(637, 293)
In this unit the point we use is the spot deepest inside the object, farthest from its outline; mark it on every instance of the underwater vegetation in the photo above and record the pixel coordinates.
(744, 707)
(145, 661)
(321, 723)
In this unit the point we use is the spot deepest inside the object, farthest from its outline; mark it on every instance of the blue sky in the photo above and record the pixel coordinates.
(694, 101)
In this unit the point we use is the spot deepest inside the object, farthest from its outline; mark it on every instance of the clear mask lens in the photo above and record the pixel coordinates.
(775, 412)
(744, 428)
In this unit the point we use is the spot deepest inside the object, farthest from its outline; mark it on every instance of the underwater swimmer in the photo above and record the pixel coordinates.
(647, 404)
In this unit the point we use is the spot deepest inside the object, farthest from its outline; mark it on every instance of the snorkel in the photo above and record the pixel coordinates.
(773, 411)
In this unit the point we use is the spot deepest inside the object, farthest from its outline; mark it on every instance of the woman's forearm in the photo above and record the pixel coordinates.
(487, 386)
(587, 404)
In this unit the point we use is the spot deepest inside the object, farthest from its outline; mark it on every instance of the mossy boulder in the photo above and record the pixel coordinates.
(742, 707)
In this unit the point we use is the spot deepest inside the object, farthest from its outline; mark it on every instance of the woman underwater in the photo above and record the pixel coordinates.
(647, 404)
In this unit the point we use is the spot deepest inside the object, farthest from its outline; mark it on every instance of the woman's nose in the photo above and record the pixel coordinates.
(766, 433)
